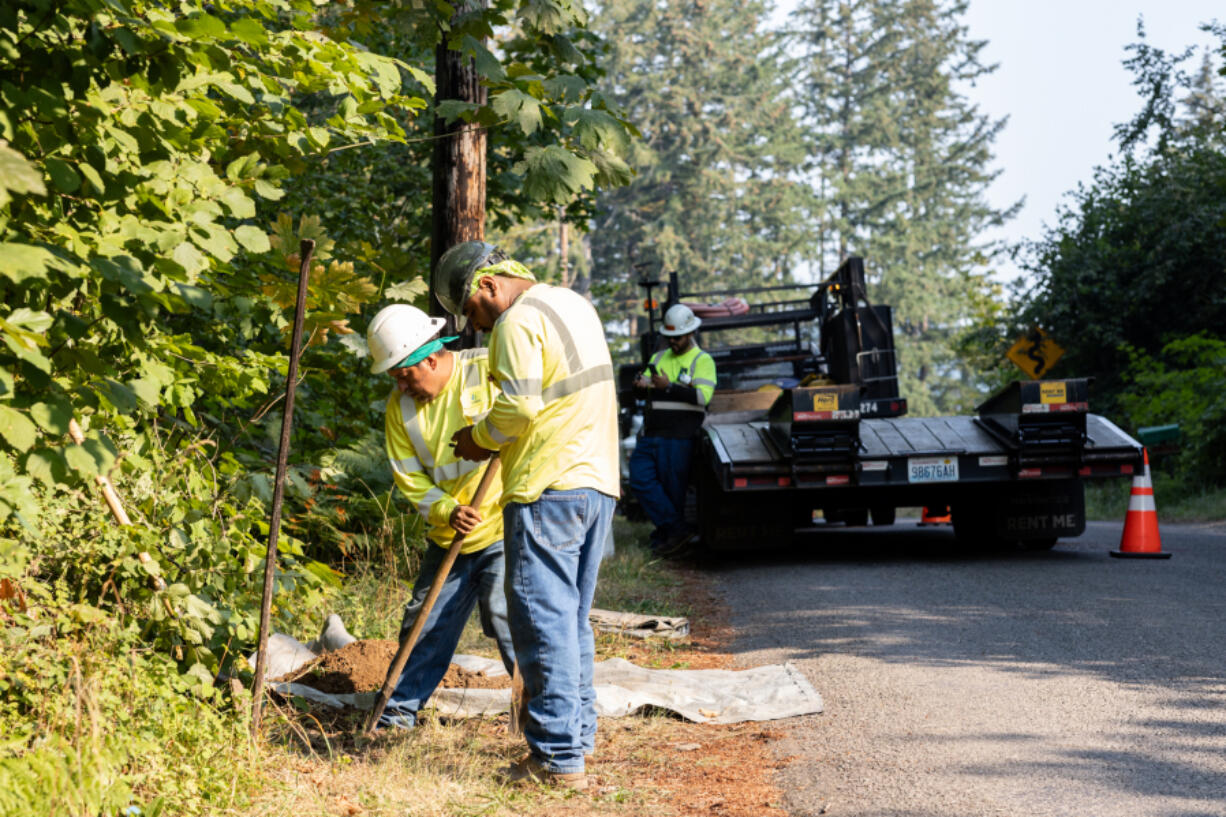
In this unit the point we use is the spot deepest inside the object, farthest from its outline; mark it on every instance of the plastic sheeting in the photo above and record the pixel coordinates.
(702, 696)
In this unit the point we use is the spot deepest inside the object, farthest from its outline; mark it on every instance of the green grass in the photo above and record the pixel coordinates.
(1177, 499)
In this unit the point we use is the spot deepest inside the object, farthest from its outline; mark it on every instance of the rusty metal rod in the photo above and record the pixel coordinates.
(306, 251)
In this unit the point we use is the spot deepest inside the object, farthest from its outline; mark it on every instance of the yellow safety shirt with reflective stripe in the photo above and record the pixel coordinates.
(678, 411)
(694, 367)
(555, 420)
(424, 465)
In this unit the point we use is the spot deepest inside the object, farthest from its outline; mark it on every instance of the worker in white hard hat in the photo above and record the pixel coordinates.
(555, 427)
(437, 392)
(678, 382)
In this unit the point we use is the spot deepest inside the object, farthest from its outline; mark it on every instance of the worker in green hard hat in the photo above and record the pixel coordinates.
(554, 425)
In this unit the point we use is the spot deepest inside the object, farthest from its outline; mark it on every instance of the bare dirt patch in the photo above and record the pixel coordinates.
(362, 667)
(654, 764)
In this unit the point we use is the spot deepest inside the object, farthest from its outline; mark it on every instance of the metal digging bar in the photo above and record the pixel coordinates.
(436, 587)
(306, 249)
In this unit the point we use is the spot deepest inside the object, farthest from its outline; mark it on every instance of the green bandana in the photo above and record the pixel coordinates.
(509, 267)
(424, 351)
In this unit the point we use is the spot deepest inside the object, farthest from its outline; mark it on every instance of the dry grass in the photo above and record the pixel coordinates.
(656, 764)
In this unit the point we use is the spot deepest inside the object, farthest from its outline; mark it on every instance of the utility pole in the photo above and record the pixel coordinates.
(458, 208)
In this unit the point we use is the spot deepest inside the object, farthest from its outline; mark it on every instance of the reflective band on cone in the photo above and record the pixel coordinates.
(1141, 539)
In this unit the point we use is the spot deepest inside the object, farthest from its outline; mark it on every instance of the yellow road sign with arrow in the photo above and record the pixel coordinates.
(1035, 353)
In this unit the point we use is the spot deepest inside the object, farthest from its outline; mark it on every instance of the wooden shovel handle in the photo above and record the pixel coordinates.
(436, 587)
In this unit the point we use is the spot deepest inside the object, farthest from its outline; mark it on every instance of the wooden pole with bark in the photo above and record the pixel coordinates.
(458, 207)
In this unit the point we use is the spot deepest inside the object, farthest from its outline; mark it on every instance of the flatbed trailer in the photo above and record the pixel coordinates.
(831, 445)
(751, 492)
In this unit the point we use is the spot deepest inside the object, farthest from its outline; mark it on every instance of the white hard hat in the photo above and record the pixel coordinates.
(679, 320)
(395, 332)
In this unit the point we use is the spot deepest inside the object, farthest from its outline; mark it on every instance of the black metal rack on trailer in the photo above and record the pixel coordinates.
(835, 440)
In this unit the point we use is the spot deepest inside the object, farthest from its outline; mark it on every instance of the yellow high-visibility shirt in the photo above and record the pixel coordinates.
(555, 420)
(679, 410)
(424, 465)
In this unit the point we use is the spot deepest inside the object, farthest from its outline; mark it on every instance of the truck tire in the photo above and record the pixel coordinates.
(883, 514)
(975, 528)
(851, 517)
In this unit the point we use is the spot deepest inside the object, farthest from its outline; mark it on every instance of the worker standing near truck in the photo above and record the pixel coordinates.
(555, 426)
(437, 392)
(678, 383)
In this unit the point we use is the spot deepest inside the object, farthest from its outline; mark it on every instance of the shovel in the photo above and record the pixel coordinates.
(436, 587)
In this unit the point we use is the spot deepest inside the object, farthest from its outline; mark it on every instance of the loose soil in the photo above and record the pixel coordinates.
(362, 667)
(656, 765)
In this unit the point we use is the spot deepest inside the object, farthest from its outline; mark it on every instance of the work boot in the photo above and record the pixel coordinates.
(531, 768)
(677, 546)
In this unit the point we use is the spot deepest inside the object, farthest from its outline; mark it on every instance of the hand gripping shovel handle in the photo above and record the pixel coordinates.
(410, 640)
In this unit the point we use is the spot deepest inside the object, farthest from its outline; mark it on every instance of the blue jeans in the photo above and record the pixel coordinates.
(659, 474)
(475, 578)
(554, 547)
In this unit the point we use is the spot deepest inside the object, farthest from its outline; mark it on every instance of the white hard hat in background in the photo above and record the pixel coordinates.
(679, 320)
(396, 331)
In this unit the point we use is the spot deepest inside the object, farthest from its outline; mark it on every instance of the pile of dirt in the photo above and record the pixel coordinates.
(459, 678)
(362, 667)
(357, 667)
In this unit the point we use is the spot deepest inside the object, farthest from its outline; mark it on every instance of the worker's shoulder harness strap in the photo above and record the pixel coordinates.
(580, 377)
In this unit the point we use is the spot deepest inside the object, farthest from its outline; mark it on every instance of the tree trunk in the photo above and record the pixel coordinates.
(459, 157)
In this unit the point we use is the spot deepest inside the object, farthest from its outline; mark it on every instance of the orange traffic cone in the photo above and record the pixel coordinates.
(941, 517)
(1141, 539)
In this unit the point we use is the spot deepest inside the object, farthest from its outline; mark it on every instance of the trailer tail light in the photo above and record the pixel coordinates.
(740, 482)
(1047, 408)
(838, 479)
(1085, 471)
(1125, 469)
(785, 482)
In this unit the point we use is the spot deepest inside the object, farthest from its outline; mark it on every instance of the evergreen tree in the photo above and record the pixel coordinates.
(715, 197)
(900, 165)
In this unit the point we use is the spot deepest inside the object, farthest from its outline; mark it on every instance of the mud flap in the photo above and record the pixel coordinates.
(1041, 510)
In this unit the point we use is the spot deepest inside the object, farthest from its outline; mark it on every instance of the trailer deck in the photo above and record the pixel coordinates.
(906, 451)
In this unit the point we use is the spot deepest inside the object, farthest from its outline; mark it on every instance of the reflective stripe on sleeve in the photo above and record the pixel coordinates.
(673, 405)
(527, 387)
(408, 465)
(497, 436)
(701, 381)
(454, 470)
(572, 384)
(427, 502)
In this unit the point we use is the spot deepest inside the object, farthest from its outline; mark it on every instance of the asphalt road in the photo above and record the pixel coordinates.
(1054, 683)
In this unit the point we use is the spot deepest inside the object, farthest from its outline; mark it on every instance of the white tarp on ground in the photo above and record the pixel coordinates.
(703, 696)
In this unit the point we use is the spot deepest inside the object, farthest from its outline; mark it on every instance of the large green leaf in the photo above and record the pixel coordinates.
(63, 175)
(516, 106)
(16, 428)
(17, 175)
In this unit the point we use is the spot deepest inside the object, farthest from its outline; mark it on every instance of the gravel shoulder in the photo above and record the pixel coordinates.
(1060, 683)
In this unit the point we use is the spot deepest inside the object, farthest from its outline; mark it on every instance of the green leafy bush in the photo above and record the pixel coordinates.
(1184, 383)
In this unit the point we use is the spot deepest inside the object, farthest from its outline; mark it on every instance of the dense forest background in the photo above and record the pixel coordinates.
(159, 165)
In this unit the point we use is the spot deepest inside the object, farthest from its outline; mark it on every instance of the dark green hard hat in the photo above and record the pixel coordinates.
(454, 274)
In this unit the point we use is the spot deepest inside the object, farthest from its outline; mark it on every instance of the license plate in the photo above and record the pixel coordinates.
(932, 469)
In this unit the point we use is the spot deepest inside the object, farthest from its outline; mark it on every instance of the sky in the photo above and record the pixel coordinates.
(1062, 84)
